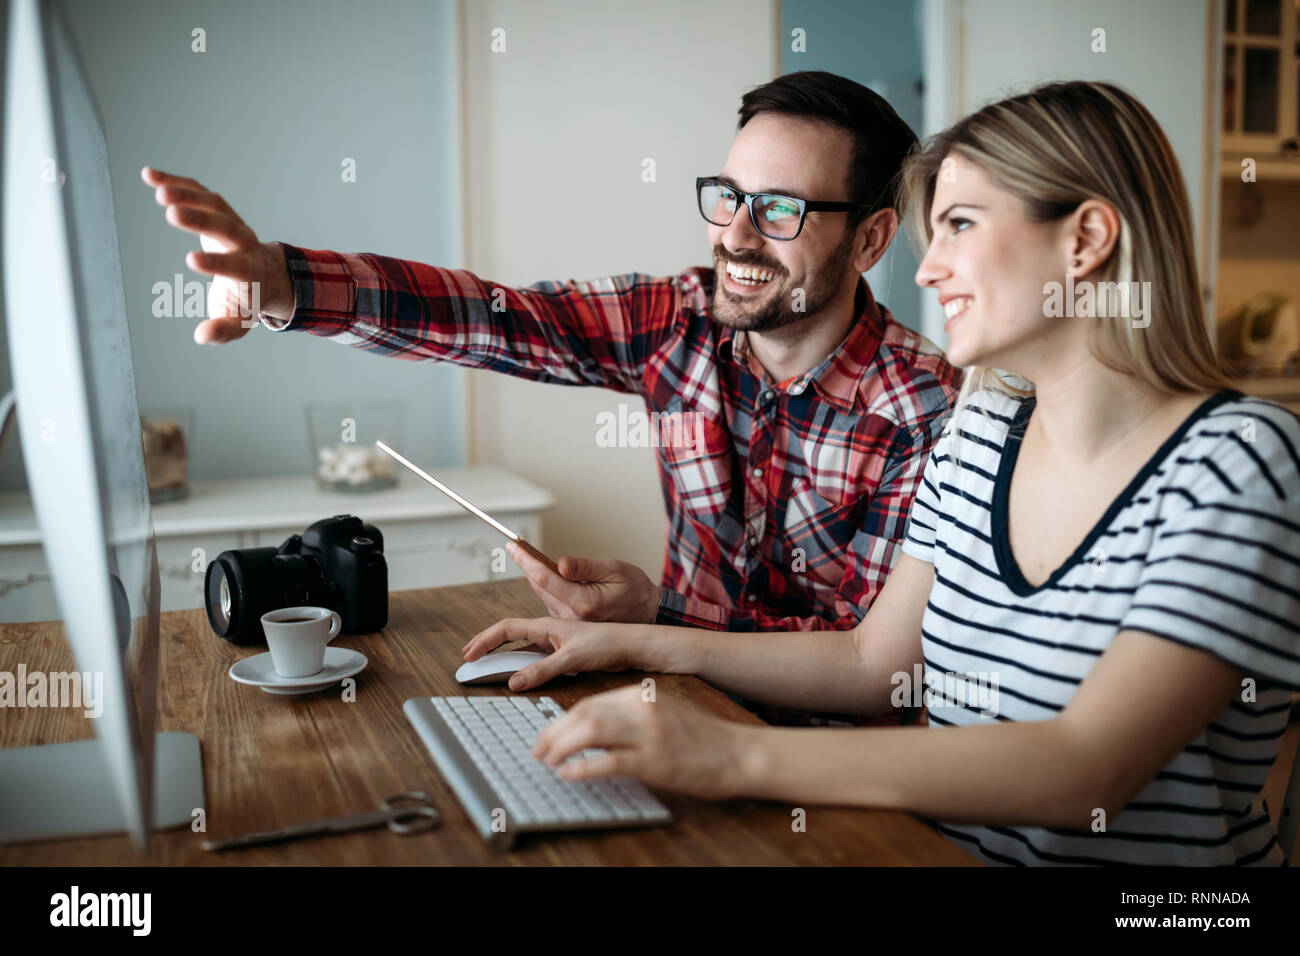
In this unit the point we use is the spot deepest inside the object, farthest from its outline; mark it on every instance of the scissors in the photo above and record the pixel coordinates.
(406, 813)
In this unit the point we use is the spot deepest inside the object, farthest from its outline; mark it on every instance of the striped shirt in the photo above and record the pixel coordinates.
(1201, 548)
(786, 501)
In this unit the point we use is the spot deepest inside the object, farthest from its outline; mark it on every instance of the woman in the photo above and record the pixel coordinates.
(1106, 552)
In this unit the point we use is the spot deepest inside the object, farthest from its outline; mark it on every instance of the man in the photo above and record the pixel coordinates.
(808, 411)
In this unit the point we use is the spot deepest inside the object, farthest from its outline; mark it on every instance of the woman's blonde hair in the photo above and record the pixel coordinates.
(1061, 144)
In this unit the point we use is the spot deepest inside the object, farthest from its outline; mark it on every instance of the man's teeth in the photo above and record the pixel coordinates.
(748, 275)
(956, 306)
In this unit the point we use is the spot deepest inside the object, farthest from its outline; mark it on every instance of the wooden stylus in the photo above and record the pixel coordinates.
(471, 508)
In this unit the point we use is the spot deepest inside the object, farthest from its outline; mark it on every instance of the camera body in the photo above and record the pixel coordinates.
(336, 563)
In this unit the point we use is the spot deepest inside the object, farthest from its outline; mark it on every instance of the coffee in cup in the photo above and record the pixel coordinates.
(296, 638)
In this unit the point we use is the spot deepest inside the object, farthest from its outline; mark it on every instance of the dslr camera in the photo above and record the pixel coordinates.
(336, 563)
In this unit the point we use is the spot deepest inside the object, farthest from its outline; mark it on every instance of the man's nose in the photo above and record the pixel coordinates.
(740, 233)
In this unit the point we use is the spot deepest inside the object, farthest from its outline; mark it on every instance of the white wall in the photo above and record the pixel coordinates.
(265, 116)
(582, 94)
(984, 50)
(586, 90)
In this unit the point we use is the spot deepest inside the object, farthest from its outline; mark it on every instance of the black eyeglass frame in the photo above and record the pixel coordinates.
(805, 206)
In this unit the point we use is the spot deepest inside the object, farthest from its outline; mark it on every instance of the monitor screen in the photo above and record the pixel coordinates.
(106, 344)
(78, 415)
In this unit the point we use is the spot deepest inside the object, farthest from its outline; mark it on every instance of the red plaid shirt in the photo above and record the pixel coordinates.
(786, 501)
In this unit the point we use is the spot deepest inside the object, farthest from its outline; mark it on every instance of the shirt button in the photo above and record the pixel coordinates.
(749, 598)
(757, 472)
(796, 388)
(769, 395)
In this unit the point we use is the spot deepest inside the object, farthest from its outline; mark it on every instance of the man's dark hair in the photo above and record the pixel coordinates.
(881, 140)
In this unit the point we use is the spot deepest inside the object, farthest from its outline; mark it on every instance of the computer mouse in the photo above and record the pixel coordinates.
(496, 668)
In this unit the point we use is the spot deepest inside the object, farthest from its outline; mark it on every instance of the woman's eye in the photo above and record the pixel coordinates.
(958, 223)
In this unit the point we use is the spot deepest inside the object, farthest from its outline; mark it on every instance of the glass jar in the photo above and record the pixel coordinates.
(342, 436)
(165, 434)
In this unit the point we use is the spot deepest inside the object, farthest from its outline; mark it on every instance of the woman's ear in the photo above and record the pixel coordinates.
(1092, 231)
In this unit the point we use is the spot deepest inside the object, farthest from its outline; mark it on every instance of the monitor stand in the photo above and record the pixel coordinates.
(60, 791)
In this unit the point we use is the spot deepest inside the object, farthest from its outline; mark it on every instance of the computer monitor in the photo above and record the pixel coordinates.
(78, 417)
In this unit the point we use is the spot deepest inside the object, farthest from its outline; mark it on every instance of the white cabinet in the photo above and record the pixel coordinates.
(429, 541)
(1255, 250)
(1261, 73)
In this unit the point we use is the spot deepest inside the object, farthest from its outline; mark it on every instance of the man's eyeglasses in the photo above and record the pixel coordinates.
(775, 216)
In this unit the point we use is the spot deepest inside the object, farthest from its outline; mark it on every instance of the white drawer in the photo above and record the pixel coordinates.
(26, 591)
(181, 584)
(181, 571)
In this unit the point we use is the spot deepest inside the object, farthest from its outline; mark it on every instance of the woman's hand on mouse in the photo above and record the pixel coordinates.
(667, 744)
(248, 276)
(574, 646)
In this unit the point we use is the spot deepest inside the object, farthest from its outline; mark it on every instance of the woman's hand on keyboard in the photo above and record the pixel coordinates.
(659, 740)
(574, 646)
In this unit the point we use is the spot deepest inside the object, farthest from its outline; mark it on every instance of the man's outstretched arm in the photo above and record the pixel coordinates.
(598, 332)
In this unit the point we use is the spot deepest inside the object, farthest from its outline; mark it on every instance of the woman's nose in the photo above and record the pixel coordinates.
(931, 270)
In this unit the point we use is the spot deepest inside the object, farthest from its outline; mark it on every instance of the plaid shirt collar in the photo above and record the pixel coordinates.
(838, 377)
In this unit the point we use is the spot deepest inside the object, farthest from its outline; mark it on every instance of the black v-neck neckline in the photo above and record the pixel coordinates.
(1008, 567)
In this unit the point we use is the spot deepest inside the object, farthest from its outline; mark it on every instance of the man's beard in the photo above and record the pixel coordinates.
(778, 310)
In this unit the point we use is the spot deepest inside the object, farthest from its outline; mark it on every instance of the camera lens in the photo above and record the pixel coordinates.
(242, 585)
(222, 600)
(224, 609)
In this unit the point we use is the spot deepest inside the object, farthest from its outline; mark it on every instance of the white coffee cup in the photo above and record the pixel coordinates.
(298, 646)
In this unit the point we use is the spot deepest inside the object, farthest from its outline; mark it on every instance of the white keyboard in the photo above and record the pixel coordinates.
(482, 747)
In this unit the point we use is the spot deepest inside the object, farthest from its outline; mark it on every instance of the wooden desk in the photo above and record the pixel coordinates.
(271, 761)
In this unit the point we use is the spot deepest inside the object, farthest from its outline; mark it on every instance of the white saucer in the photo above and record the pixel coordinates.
(260, 673)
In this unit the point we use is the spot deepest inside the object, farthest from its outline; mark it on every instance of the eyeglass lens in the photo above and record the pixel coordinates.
(774, 216)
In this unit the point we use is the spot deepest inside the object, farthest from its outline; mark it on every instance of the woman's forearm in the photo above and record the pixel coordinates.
(802, 670)
(1013, 774)
(843, 672)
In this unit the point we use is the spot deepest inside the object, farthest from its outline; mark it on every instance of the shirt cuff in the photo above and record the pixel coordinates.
(680, 610)
(279, 325)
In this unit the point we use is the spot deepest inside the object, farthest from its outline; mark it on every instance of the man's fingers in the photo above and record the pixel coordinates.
(218, 331)
(223, 226)
(233, 265)
(555, 607)
(526, 562)
(169, 195)
(156, 177)
(543, 577)
(577, 569)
